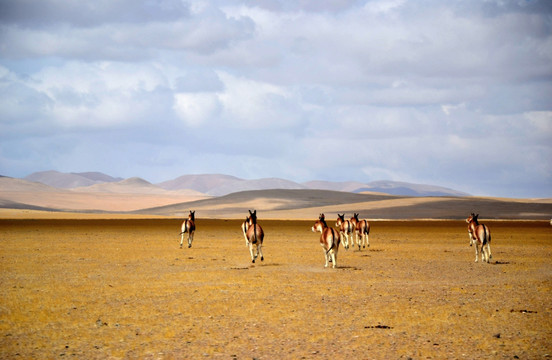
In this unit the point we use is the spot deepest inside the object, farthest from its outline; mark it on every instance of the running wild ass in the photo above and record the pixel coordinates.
(362, 231)
(329, 240)
(254, 235)
(346, 231)
(188, 226)
(480, 235)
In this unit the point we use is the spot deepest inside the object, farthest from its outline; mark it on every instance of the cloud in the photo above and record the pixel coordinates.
(83, 14)
(196, 109)
(107, 32)
(451, 92)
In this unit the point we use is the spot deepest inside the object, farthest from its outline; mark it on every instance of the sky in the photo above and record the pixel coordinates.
(453, 93)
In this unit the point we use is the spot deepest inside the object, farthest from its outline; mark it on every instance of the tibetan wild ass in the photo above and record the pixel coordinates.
(188, 226)
(480, 235)
(254, 235)
(362, 231)
(329, 240)
(346, 231)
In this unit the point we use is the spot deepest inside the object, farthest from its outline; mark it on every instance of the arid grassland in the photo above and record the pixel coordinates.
(96, 289)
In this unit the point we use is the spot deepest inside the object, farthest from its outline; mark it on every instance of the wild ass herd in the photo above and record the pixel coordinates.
(330, 238)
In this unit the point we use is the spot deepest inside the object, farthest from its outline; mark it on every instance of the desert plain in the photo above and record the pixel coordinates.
(103, 286)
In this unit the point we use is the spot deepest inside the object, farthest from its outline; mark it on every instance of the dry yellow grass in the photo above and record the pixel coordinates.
(114, 288)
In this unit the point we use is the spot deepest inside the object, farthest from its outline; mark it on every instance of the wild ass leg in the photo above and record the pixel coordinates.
(181, 239)
(489, 255)
(476, 251)
(334, 260)
(190, 239)
(326, 257)
(346, 237)
(367, 242)
(253, 257)
(260, 251)
(345, 240)
(349, 243)
(486, 252)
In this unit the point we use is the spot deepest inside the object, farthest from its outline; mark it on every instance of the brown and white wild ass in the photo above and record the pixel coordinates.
(362, 231)
(254, 235)
(244, 227)
(329, 240)
(480, 235)
(188, 226)
(346, 231)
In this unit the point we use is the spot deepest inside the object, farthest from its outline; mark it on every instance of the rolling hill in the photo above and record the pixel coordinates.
(220, 184)
(272, 197)
(307, 204)
(69, 180)
(126, 195)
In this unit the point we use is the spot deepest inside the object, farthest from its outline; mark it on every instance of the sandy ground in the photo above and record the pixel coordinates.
(82, 201)
(122, 288)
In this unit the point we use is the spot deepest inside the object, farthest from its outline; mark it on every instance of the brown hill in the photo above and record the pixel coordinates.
(137, 186)
(137, 195)
(69, 180)
(128, 195)
(307, 204)
(202, 183)
(219, 185)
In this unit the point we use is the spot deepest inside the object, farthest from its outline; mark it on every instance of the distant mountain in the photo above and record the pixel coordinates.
(202, 183)
(14, 185)
(349, 186)
(69, 180)
(408, 189)
(98, 177)
(134, 185)
(386, 187)
(258, 184)
(131, 185)
(220, 184)
(275, 199)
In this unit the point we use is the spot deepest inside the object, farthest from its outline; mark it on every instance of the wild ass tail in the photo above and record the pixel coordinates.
(331, 242)
(488, 238)
(185, 228)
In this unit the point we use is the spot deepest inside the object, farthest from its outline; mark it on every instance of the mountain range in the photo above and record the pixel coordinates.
(219, 184)
(229, 197)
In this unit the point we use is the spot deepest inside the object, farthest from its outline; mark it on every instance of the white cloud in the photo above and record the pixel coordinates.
(196, 109)
(410, 88)
(449, 108)
(253, 104)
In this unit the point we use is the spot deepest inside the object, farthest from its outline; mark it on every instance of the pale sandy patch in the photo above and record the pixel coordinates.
(79, 201)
